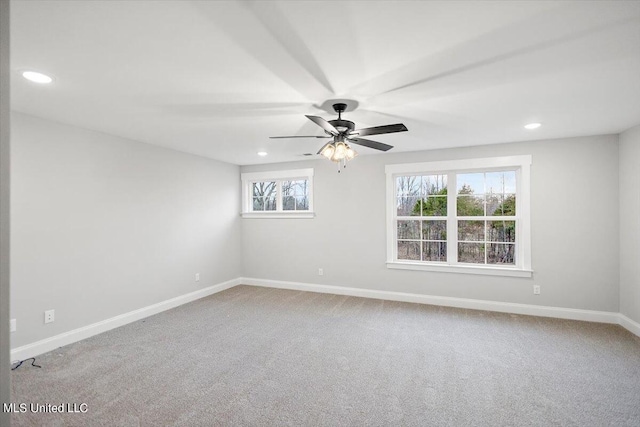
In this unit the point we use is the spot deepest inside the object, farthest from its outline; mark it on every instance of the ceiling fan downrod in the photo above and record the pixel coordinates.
(339, 108)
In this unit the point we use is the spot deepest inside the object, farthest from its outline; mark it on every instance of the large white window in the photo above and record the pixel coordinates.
(278, 194)
(466, 216)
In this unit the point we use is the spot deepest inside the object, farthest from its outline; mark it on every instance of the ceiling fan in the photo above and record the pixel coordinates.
(343, 133)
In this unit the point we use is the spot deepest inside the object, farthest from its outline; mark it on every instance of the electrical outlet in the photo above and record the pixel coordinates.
(49, 316)
(536, 289)
(320, 272)
(197, 277)
(12, 325)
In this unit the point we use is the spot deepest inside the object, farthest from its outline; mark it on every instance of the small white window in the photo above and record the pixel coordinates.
(465, 216)
(278, 194)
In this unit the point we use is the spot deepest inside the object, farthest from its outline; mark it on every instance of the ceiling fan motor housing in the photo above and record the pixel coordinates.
(343, 126)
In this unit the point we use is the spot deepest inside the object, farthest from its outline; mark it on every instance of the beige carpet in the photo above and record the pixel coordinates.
(255, 356)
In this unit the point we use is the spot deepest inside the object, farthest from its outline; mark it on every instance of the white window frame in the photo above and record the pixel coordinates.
(278, 176)
(522, 166)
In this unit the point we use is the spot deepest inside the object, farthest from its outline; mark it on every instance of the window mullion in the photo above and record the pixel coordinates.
(519, 249)
(452, 222)
(486, 244)
(394, 214)
(279, 196)
(248, 197)
(421, 236)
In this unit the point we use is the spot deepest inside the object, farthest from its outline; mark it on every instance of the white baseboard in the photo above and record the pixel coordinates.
(502, 307)
(48, 344)
(630, 325)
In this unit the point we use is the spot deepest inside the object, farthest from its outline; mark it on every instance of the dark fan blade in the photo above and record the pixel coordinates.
(323, 124)
(371, 144)
(377, 130)
(323, 147)
(301, 136)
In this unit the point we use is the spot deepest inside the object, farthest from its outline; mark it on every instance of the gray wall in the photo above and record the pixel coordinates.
(630, 223)
(574, 199)
(5, 372)
(103, 225)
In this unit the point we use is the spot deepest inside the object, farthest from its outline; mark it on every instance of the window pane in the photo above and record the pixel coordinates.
(499, 253)
(471, 252)
(470, 183)
(295, 188)
(302, 203)
(501, 205)
(501, 231)
(434, 206)
(408, 186)
(434, 251)
(471, 231)
(267, 188)
(501, 182)
(303, 188)
(258, 204)
(408, 230)
(470, 205)
(288, 203)
(509, 205)
(287, 188)
(270, 203)
(408, 206)
(434, 185)
(409, 250)
(494, 204)
(434, 230)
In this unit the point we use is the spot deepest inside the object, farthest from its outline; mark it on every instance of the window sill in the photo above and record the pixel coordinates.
(464, 269)
(278, 214)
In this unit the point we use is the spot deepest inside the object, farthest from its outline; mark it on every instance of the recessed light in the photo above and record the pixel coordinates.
(531, 126)
(262, 153)
(37, 77)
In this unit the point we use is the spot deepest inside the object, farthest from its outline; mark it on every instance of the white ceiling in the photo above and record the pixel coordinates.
(218, 78)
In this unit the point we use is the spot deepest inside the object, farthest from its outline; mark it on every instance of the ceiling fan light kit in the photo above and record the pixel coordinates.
(344, 133)
(338, 152)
